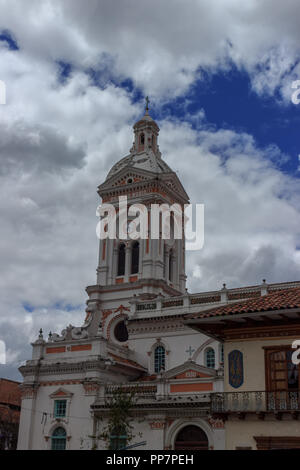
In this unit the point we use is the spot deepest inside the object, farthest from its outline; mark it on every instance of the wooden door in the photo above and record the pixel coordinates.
(282, 379)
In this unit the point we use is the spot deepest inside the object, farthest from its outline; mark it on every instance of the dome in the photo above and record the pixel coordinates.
(144, 154)
(148, 163)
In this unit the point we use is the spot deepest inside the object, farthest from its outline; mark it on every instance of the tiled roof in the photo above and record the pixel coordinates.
(148, 378)
(7, 414)
(128, 362)
(278, 300)
(10, 392)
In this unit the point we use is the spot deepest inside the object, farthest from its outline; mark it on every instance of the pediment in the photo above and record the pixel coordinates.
(122, 177)
(190, 370)
(172, 181)
(61, 393)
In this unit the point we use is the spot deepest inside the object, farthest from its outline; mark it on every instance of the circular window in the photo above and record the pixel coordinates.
(120, 332)
(129, 181)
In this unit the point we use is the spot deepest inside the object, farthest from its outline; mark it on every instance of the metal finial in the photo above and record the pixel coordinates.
(147, 103)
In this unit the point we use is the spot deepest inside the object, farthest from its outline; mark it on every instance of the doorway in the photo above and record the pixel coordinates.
(191, 438)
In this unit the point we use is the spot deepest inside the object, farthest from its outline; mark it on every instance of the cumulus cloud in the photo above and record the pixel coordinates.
(36, 148)
(59, 136)
(252, 211)
(162, 46)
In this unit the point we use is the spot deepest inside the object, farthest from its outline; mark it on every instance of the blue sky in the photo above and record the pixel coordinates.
(219, 78)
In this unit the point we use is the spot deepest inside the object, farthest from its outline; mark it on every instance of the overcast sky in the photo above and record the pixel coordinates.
(219, 76)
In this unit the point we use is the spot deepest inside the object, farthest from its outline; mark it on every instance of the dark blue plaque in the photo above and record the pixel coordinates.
(236, 368)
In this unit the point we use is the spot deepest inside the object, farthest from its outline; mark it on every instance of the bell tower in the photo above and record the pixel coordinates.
(142, 267)
(145, 132)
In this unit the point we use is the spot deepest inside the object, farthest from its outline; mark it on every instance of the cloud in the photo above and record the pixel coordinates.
(39, 148)
(252, 211)
(162, 46)
(60, 133)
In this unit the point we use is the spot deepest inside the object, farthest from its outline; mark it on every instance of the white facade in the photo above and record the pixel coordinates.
(140, 292)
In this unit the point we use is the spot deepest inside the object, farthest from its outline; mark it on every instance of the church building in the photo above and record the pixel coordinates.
(134, 337)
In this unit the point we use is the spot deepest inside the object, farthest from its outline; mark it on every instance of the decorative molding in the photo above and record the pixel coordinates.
(216, 423)
(157, 424)
(267, 331)
(29, 391)
(61, 393)
(91, 387)
(60, 382)
(188, 366)
(277, 442)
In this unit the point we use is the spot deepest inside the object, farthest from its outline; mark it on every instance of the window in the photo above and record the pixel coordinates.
(141, 142)
(159, 359)
(135, 255)
(191, 438)
(120, 332)
(210, 358)
(222, 353)
(59, 439)
(60, 407)
(281, 373)
(121, 260)
(171, 265)
(118, 439)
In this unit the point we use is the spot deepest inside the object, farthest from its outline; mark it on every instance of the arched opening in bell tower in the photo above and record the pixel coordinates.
(135, 257)
(142, 142)
(171, 259)
(121, 260)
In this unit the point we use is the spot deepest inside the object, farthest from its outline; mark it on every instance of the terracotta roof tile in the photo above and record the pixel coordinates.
(10, 392)
(129, 362)
(278, 300)
(148, 378)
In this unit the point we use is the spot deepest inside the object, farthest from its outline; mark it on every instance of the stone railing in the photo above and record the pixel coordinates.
(146, 391)
(190, 302)
(255, 402)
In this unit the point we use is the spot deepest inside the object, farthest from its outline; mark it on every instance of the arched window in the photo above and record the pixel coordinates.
(59, 439)
(121, 260)
(165, 260)
(142, 139)
(171, 256)
(191, 438)
(222, 353)
(120, 332)
(210, 358)
(159, 359)
(153, 141)
(135, 255)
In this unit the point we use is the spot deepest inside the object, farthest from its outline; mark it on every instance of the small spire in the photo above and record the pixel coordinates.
(147, 104)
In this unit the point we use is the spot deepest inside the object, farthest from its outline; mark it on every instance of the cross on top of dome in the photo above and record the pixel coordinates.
(147, 103)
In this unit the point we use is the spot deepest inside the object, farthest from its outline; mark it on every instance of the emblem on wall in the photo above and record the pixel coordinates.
(236, 368)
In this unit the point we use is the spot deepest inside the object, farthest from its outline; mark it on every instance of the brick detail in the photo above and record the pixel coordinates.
(195, 387)
(56, 350)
